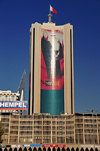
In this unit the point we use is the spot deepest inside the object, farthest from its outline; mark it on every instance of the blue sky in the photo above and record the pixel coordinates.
(16, 17)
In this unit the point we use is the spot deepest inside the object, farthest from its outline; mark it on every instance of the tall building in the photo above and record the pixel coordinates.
(51, 77)
(21, 89)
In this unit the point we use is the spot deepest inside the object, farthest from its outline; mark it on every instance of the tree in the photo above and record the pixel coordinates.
(1, 132)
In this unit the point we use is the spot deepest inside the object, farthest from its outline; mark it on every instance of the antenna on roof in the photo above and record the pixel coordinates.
(92, 110)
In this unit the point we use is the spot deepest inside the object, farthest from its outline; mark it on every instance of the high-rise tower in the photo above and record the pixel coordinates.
(51, 77)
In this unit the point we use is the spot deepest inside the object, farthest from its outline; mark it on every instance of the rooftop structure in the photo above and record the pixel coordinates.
(8, 96)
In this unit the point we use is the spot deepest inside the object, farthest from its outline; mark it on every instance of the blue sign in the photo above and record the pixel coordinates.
(32, 145)
(13, 105)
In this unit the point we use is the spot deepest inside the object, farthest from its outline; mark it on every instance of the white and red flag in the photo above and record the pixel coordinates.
(53, 10)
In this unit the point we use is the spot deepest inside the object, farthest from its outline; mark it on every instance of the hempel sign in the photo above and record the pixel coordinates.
(10, 105)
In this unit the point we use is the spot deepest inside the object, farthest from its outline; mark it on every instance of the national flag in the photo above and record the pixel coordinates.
(53, 10)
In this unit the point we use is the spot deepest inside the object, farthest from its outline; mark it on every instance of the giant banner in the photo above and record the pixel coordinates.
(52, 59)
(52, 71)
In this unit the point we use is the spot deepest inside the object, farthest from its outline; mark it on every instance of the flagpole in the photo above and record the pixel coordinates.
(49, 15)
(49, 18)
